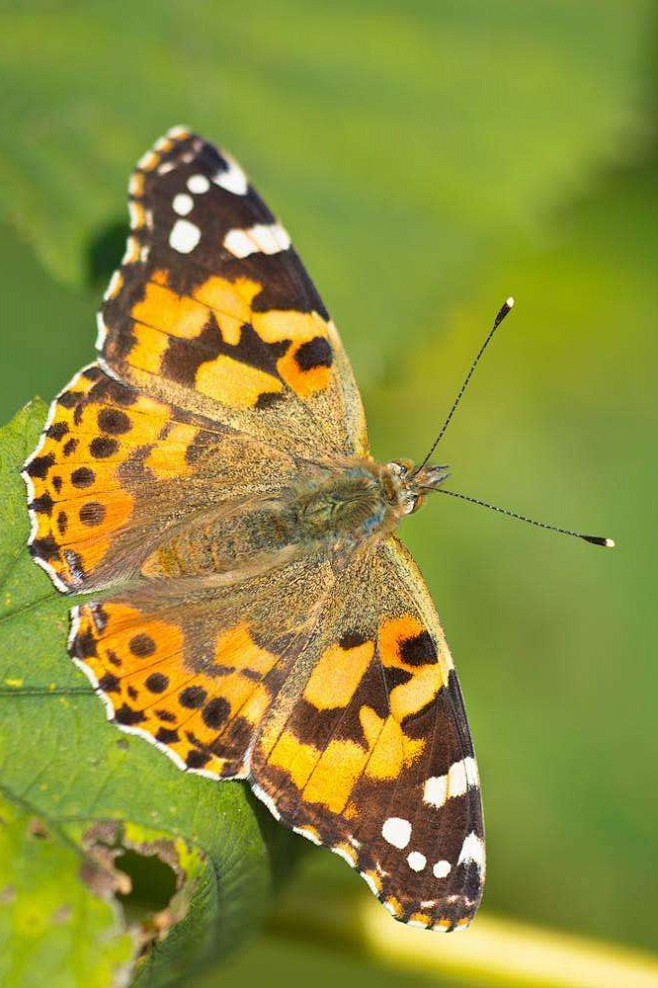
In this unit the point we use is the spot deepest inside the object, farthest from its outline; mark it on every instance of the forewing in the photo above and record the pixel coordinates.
(213, 310)
(373, 756)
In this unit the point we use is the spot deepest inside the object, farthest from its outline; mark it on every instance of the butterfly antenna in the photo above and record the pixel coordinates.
(502, 312)
(593, 539)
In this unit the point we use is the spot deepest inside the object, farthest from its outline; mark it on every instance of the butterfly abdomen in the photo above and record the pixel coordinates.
(227, 542)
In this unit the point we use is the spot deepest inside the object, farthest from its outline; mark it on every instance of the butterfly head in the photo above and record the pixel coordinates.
(415, 483)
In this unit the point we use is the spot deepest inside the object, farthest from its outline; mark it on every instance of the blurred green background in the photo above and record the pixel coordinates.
(429, 159)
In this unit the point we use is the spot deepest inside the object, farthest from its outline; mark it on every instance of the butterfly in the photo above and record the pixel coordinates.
(208, 481)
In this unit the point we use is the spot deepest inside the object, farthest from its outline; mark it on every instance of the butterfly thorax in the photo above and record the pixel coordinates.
(354, 505)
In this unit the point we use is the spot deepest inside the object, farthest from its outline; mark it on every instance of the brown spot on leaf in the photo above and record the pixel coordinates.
(36, 828)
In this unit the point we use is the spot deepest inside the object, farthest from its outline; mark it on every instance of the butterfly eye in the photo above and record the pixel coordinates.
(416, 503)
(400, 468)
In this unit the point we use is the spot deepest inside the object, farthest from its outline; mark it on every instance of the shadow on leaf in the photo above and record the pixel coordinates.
(104, 253)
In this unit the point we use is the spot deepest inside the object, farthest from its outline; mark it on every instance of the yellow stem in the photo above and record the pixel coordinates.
(492, 951)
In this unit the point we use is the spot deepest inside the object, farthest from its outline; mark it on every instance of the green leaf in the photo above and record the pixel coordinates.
(51, 921)
(200, 856)
(462, 122)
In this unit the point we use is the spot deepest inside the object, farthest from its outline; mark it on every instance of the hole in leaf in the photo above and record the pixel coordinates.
(153, 885)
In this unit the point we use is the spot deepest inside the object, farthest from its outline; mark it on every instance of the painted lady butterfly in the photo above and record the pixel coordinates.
(259, 619)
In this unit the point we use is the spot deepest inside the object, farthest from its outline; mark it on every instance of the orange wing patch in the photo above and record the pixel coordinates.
(333, 779)
(337, 674)
(410, 658)
(139, 663)
(102, 442)
(390, 748)
(306, 366)
(334, 737)
(215, 341)
(324, 775)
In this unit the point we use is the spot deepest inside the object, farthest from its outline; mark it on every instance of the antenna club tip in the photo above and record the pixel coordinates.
(510, 302)
(598, 540)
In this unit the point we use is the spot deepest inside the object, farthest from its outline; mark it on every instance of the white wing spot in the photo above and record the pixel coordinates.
(472, 775)
(184, 236)
(472, 851)
(233, 179)
(397, 831)
(198, 184)
(435, 790)
(238, 243)
(263, 239)
(183, 204)
(416, 861)
(442, 869)
(440, 788)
